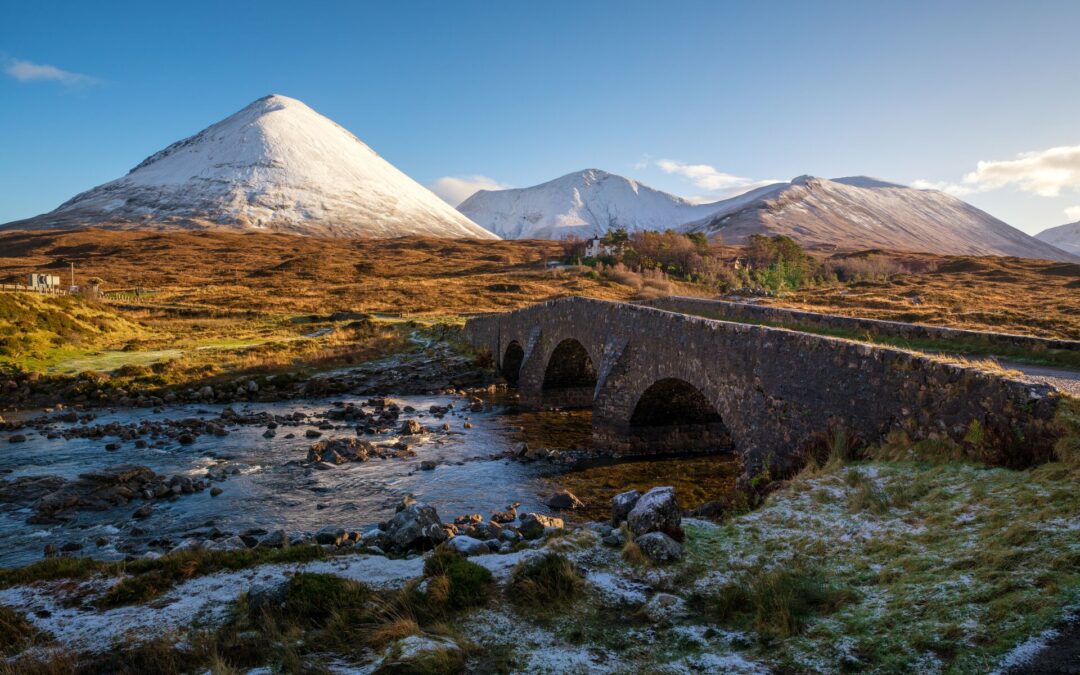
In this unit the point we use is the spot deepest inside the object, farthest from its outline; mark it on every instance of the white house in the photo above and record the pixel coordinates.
(595, 247)
(44, 281)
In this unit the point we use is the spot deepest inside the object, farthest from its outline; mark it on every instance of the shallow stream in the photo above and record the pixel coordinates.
(269, 493)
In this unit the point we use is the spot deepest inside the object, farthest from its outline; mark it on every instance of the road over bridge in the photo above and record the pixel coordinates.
(662, 382)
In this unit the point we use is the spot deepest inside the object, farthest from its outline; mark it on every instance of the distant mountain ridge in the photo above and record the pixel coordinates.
(852, 212)
(275, 165)
(1065, 237)
(583, 203)
(862, 212)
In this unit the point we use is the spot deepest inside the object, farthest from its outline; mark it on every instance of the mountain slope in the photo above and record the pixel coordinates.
(1065, 237)
(584, 203)
(861, 212)
(275, 165)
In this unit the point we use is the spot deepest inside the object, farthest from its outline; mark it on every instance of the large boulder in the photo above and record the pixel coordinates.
(564, 500)
(622, 504)
(658, 547)
(656, 511)
(533, 525)
(415, 527)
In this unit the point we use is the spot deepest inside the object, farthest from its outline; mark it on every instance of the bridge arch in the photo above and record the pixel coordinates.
(672, 415)
(510, 366)
(569, 376)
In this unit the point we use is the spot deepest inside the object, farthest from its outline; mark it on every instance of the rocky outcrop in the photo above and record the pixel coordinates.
(53, 497)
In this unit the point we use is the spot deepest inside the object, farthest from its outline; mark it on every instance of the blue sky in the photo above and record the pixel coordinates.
(697, 98)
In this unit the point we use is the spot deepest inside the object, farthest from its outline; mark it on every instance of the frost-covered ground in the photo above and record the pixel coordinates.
(870, 568)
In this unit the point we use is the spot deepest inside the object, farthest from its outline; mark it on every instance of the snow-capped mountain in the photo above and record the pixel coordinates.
(275, 165)
(1065, 237)
(584, 203)
(861, 212)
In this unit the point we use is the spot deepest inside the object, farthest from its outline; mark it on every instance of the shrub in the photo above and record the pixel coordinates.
(543, 581)
(311, 599)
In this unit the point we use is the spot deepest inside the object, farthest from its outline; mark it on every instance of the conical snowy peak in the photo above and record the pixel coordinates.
(276, 165)
(583, 203)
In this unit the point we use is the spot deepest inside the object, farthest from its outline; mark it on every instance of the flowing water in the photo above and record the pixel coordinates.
(270, 493)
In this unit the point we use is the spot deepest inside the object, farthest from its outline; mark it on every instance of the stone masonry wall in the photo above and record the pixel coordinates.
(777, 391)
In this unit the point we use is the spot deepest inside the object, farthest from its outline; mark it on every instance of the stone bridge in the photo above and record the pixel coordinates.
(661, 382)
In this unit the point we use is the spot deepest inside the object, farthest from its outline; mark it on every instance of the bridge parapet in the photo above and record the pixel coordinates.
(669, 382)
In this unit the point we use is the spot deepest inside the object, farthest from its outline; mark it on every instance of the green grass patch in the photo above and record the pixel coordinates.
(895, 566)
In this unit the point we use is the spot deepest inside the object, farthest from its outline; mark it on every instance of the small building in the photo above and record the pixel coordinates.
(595, 247)
(44, 282)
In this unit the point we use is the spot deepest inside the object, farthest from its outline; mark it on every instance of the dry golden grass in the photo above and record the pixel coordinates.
(1014, 295)
(228, 276)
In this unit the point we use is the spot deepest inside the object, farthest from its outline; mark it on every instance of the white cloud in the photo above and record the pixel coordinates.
(1045, 173)
(27, 71)
(954, 189)
(456, 189)
(710, 178)
(1072, 213)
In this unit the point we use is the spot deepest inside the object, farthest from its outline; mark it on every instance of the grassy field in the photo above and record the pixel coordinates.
(215, 302)
(1013, 295)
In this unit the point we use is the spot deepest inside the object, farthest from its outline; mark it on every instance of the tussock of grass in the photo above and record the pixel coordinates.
(466, 583)
(16, 633)
(546, 580)
(311, 600)
(778, 602)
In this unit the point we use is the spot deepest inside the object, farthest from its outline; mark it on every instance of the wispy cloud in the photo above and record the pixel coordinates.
(456, 189)
(28, 71)
(955, 189)
(1072, 213)
(1045, 173)
(710, 178)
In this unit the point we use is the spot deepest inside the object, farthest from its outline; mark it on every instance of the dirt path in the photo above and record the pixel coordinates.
(1067, 381)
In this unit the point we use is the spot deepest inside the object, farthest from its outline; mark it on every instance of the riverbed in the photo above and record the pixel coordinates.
(271, 487)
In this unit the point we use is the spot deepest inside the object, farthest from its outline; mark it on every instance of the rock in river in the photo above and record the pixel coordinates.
(415, 527)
